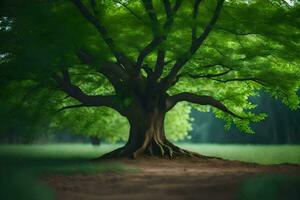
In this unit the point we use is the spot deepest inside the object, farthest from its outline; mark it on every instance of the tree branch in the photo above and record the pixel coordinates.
(159, 35)
(127, 8)
(168, 8)
(148, 70)
(171, 77)
(195, 15)
(157, 39)
(75, 92)
(236, 79)
(93, 5)
(196, 76)
(120, 56)
(71, 106)
(147, 50)
(235, 32)
(201, 100)
(148, 4)
(160, 63)
(112, 71)
(254, 79)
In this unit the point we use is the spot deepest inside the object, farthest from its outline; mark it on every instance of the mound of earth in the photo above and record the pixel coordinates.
(161, 178)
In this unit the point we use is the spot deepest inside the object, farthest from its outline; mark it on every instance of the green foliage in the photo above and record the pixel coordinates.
(25, 110)
(103, 123)
(254, 42)
(178, 122)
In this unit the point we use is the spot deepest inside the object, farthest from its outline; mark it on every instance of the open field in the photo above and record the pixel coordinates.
(63, 171)
(262, 154)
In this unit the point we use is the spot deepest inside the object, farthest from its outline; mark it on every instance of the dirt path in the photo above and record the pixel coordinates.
(165, 179)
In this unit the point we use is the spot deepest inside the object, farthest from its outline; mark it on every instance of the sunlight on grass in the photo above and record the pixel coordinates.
(262, 154)
(60, 158)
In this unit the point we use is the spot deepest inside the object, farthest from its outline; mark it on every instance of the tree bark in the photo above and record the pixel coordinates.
(95, 140)
(147, 137)
(147, 134)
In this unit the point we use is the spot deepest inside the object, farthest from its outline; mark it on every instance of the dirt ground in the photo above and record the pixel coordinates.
(164, 179)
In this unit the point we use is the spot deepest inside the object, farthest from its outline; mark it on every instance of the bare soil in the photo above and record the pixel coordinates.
(163, 179)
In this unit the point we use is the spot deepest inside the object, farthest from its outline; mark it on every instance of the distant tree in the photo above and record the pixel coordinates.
(141, 58)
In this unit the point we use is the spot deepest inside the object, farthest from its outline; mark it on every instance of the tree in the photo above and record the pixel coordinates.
(141, 58)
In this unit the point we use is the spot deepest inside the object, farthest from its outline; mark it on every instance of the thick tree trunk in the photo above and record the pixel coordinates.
(147, 137)
(147, 134)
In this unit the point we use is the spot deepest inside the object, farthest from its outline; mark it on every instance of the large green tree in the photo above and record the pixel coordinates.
(142, 57)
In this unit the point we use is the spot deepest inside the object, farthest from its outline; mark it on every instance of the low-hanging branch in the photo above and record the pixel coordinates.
(65, 84)
(201, 100)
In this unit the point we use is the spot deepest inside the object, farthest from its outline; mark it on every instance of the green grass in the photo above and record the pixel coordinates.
(56, 151)
(262, 154)
(60, 158)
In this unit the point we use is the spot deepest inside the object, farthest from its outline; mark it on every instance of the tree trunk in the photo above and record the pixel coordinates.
(95, 140)
(147, 137)
(147, 134)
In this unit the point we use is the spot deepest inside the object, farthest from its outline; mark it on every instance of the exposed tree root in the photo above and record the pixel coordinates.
(154, 148)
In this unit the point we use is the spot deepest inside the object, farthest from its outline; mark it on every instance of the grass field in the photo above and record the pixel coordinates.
(262, 154)
(59, 158)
